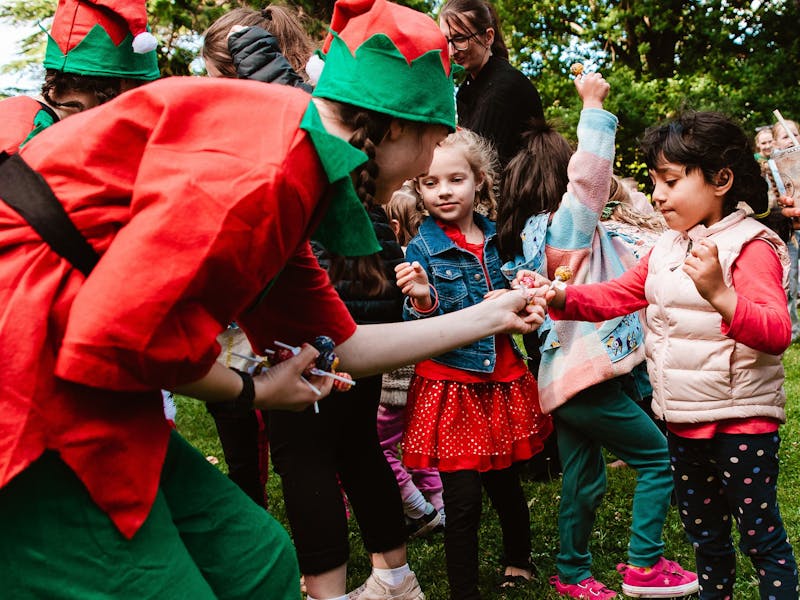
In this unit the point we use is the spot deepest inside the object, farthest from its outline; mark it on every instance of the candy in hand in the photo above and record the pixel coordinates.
(576, 68)
(562, 275)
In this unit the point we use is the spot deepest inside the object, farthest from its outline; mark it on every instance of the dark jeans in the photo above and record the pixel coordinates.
(463, 502)
(314, 452)
(244, 444)
(733, 475)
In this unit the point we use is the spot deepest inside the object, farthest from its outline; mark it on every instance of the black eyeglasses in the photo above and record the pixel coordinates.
(460, 42)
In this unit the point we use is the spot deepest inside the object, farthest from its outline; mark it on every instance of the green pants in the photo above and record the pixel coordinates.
(203, 539)
(604, 416)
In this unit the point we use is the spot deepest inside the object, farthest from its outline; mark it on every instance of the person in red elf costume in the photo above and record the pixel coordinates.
(131, 235)
(96, 50)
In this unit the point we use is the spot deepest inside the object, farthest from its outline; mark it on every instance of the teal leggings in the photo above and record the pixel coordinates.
(203, 539)
(604, 416)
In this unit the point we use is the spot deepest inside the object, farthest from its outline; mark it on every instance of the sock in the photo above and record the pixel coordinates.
(392, 577)
(415, 506)
(441, 513)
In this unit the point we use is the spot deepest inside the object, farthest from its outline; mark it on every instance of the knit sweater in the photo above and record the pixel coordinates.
(577, 354)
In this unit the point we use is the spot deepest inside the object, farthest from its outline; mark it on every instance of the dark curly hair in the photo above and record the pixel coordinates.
(710, 142)
(57, 83)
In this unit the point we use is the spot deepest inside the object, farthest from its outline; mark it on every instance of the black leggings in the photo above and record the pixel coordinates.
(463, 502)
(309, 450)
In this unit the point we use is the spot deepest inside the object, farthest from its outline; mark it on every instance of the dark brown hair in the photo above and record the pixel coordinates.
(709, 142)
(282, 22)
(534, 182)
(369, 128)
(57, 84)
(475, 16)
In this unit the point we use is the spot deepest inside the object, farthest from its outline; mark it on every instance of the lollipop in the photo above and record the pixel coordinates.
(576, 68)
(562, 275)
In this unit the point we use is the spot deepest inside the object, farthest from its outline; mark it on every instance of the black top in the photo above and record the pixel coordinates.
(498, 104)
(387, 307)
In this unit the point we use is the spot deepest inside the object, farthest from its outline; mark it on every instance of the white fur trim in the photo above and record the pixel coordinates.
(144, 42)
(314, 68)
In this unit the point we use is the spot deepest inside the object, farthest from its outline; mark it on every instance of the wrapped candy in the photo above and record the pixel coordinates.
(576, 68)
(562, 275)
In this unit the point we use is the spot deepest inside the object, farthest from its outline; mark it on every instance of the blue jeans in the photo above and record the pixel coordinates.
(733, 475)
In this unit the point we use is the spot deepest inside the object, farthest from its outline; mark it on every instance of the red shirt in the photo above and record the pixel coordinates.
(17, 117)
(760, 320)
(193, 215)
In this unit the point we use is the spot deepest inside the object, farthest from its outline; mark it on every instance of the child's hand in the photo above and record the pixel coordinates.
(703, 267)
(522, 315)
(536, 286)
(413, 282)
(592, 89)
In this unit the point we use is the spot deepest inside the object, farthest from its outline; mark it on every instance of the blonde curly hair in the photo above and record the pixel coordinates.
(482, 159)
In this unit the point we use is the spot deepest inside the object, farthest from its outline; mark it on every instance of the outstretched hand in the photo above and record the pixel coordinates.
(524, 312)
(282, 386)
(592, 89)
(535, 285)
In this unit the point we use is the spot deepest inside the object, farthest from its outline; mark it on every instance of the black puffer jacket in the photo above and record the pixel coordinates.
(386, 307)
(257, 55)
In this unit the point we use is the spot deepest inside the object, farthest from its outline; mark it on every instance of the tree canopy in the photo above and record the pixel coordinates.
(738, 57)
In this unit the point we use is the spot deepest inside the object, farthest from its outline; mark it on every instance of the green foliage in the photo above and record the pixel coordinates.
(660, 56)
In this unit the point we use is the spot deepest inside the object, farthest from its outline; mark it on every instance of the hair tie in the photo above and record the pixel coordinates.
(763, 215)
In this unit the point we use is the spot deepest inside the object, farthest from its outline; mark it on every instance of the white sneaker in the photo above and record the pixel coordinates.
(376, 589)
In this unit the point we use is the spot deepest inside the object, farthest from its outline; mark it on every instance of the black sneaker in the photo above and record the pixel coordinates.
(426, 525)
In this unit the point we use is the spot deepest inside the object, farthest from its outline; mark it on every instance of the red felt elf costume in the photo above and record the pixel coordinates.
(197, 222)
(89, 39)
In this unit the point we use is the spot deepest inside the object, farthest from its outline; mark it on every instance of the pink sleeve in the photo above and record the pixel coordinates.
(761, 320)
(602, 301)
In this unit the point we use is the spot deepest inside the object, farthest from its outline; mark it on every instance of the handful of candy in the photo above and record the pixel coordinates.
(324, 366)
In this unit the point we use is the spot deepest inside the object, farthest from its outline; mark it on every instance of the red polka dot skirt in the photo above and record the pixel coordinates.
(455, 426)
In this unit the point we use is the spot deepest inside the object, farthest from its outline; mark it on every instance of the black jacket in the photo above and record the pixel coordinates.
(498, 104)
(257, 56)
(386, 307)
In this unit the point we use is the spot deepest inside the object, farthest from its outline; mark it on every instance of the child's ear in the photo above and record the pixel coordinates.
(724, 181)
(395, 225)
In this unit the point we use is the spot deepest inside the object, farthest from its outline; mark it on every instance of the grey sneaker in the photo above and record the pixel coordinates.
(425, 525)
(375, 589)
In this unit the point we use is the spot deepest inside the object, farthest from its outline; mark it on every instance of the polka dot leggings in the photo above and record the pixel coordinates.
(733, 475)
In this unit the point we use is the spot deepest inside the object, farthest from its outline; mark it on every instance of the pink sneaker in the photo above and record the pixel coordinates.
(588, 589)
(665, 579)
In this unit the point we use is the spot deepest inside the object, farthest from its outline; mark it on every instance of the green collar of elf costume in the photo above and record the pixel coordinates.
(97, 55)
(379, 77)
(345, 228)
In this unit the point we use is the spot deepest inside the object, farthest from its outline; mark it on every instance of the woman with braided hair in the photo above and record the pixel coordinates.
(131, 237)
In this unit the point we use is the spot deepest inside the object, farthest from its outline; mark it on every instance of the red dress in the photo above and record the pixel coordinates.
(193, 216)
(462, 420)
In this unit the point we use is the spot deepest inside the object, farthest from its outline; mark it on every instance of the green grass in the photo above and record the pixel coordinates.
(610, 537)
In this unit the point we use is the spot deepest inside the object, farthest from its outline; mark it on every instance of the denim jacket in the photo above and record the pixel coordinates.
(460, 281)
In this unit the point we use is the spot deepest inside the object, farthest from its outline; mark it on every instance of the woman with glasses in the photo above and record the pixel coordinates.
(495, 100)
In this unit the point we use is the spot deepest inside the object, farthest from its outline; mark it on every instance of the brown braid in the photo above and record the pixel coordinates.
(369, 128)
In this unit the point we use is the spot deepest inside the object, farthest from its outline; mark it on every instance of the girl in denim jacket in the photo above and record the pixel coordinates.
(474, 412)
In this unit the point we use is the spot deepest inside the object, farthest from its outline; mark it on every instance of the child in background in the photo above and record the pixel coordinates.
(713, 291)
(555, 199)
(421, 489)
(243, 431)
(474, 412)
(268, 45)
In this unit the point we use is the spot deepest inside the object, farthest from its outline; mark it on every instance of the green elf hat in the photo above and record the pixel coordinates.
(390, 59)
(102, 38)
